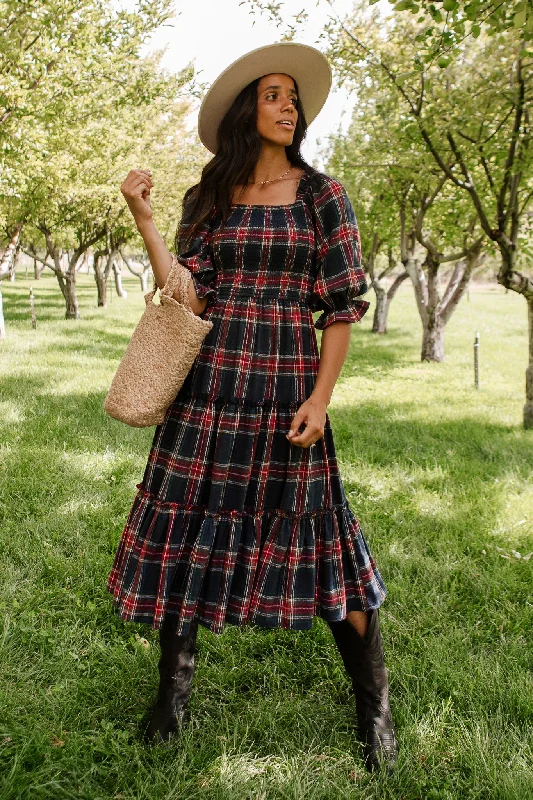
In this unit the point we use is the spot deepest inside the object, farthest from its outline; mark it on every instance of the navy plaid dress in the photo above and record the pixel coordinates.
(232, 523)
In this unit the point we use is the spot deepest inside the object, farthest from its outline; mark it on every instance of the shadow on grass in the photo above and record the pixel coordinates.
(373, 355)
(50, 304)
(72, 472)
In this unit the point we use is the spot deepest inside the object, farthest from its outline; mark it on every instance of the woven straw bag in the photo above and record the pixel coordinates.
(159, 355)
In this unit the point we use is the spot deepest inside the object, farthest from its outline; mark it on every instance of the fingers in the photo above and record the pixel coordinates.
(311, 434)
(304, 439)
(136, 178)
(141, 184)
(139, 189)
(298, 420)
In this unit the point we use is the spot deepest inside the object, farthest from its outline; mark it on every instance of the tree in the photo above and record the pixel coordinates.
(54, 52)
(475, 124)
(370, 185)
(68, 142)
(404, 203)
(450, 22)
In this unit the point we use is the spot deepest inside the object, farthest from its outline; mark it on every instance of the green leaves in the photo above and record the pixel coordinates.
(72, 133)
(520, 17)
(473, 17)
(406, 5)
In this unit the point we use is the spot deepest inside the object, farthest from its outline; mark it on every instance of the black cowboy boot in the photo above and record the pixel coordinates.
(364, 663)
(176, 670)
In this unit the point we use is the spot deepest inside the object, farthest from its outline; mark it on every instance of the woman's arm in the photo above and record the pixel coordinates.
(136, 190)
(161, 260)
(334, 346)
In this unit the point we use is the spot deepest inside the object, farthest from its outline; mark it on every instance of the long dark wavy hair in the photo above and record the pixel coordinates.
(239, 146)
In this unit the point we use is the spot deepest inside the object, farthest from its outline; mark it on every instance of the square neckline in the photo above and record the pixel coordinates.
(277, 205)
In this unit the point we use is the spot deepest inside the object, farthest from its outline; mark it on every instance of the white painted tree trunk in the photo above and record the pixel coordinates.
(121, 292)
(383, 301)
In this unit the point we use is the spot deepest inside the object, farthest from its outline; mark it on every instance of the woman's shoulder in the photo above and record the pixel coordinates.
(324, 186)
(331, 203)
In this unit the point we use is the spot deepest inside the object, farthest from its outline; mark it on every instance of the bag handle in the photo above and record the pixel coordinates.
(178, 277)
(173, 278)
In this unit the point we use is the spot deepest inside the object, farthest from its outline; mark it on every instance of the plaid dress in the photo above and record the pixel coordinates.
(232, 523)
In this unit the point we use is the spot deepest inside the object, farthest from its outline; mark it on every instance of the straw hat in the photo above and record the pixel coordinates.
(306, 65)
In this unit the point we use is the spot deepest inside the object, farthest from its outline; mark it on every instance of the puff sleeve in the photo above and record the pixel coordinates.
(196, 256)
(340, 279)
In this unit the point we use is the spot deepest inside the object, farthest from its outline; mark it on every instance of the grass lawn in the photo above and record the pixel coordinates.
(440, 476)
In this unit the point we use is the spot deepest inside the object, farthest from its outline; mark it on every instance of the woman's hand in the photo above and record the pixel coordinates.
(313, 414)
(136, 191)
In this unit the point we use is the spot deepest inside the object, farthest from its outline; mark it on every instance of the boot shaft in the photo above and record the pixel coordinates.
(365, 664)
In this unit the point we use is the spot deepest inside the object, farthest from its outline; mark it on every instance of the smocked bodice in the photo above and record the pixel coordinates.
(264, 273)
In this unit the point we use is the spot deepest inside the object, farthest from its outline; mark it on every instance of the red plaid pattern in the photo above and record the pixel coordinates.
(231, 523)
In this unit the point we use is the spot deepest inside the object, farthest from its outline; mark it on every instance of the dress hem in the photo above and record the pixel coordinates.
(275, 569)
(353, 604)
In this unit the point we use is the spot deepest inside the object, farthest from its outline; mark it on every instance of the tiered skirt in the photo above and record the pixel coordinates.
(234, 524)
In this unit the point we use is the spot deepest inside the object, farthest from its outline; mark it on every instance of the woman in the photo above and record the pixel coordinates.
(241, 516)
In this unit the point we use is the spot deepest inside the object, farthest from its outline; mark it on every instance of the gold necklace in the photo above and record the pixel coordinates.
(271, 179)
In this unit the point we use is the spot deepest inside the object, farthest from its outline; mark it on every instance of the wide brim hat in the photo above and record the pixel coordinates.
(305, 64)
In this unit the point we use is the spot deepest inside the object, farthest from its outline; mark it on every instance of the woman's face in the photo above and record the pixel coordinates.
(276, 109)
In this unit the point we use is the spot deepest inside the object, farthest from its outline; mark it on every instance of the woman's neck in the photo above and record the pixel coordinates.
(272, 163)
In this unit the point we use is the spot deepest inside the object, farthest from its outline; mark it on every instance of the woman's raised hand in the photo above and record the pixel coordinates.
(136, 191)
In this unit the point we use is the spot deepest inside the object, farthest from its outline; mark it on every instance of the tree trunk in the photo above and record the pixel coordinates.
(416, 273)
(143, 274)
(71, 298)
(522, 284)
(66, 280)
(31, 252)
(433, 339)
(379, 323)
(528, 408)
(9, 254)
(14, 263)
(144, 281)
(121, 292)
(101, 287)
(100, 277)
(460, 281)
(381, 314)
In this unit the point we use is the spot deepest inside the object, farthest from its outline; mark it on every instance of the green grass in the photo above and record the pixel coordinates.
(439, 475)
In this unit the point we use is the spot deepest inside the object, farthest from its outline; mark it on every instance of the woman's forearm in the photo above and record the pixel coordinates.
(334, 347)
(161, 260)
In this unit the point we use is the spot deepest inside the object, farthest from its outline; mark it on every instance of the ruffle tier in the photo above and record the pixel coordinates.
(274, 569)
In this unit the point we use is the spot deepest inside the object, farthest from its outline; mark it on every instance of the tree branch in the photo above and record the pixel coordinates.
(512, 151)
